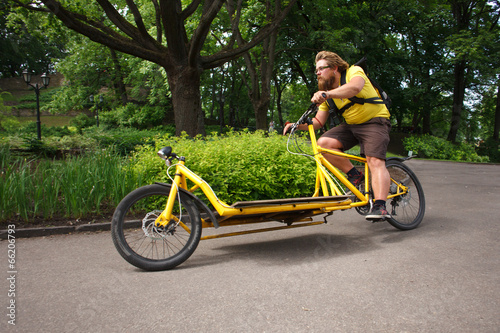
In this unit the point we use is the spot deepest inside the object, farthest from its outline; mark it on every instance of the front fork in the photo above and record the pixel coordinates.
(166, 216)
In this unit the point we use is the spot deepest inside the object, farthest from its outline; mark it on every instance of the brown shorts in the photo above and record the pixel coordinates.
(372, 136)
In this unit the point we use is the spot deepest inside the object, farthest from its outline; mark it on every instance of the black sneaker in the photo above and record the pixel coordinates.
(378, 213)
(357, 181)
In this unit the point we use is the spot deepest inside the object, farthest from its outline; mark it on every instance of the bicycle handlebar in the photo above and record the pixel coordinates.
(302, 119)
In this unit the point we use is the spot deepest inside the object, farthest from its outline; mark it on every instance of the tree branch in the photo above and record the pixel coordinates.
(175, 32)
(159, 34)
(190, 9)
(125, 26)
(210, 11)
(102, 34)
(223, 56)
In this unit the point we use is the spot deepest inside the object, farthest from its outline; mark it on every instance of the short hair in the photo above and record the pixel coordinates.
(333, 60)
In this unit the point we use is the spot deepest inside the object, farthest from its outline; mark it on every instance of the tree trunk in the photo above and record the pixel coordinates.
(426, 109)
(496, 128)
(261, 72)
(458, 100)
(462, 11)
(118, 78)
(261, 107)
(279, 91)
(184, 83)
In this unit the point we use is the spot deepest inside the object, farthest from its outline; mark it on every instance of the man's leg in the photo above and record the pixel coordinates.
(380, 180)
(343, 164)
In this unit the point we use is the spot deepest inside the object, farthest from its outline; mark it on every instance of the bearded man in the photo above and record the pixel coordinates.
(365, 124)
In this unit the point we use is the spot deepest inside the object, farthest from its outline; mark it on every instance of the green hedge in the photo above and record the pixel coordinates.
(239, 166)
(429, 146)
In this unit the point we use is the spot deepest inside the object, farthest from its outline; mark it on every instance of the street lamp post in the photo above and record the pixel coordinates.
(37, 87)
(97, 106)
(221, 98)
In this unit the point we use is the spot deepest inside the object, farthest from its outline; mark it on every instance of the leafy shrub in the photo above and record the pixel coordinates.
(239, 166)
(10, 124)
(490, 148)
(124, 140)
(433, 147)
(75, 141)
(39, 147)
(28, 101)
(133, 115)
(30, 129)
(82, 121)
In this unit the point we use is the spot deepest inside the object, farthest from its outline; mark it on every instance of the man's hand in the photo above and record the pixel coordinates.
(287, 127)
(319, 97)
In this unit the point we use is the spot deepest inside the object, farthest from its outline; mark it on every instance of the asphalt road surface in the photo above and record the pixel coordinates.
(348, 275)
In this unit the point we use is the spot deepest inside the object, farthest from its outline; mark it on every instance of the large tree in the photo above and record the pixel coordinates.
(260, 63)
(18, 39)
(473, 19)
(163, 32)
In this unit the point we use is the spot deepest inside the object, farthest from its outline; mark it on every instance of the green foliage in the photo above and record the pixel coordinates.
(135, 116)
(436, 148)
(124, 140)
(80, 186)
(25, 41)
(239, 166)
(54, 139)
(82, 121)
(28, 101)
(491, 148)
(38, 147)
(9, 124)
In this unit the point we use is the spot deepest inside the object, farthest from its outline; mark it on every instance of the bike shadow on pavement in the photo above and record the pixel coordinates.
(282, 250)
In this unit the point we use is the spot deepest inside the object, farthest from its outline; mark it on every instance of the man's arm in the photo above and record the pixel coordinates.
(348, 90)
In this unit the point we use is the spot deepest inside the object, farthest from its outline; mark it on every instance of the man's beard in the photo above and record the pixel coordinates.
(326, 84)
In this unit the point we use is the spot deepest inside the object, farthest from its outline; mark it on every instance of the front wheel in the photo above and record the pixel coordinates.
(146, 246)
(407, 210)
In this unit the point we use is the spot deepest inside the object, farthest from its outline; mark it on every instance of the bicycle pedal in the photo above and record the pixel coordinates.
(376, 219)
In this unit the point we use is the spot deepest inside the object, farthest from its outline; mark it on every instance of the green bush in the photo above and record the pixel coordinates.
(82, 121)
(10, 124)
(490, 148)
(239, 166)
(135, 116)
(428, 146)
(124, 140)
(28, 101)
(30, 129)
(84, 186)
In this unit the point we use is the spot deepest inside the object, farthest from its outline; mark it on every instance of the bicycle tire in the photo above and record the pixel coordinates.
(407, 211)
(141, 243)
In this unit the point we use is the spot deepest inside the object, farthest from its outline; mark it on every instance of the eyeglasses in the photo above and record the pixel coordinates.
(320, 69)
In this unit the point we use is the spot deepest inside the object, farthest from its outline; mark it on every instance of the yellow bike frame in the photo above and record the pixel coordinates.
(288, 210)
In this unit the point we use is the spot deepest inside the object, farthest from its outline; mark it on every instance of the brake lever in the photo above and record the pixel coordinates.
(306, 114)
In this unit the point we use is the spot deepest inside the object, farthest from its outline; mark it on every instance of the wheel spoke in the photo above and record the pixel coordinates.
(407, 209)
(150, 247)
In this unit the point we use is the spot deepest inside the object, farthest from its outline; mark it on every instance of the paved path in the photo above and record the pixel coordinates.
(345, 276)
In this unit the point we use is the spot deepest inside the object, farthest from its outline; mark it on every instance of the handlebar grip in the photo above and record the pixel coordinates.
(324, 95)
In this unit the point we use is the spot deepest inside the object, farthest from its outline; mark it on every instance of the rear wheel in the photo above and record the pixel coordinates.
(147, 246)
(407, 210)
